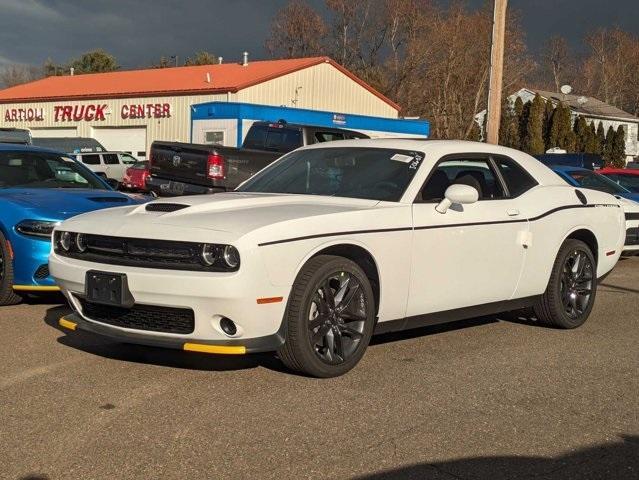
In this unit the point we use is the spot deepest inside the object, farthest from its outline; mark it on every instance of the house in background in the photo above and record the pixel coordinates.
(592, 110)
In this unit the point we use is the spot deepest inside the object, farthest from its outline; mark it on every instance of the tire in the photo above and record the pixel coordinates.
(570, 295)
(7, 295)
(327, 333)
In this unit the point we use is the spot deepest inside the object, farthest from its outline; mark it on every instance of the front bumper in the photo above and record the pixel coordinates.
(210, 295)
(224, 347)
(30, 264)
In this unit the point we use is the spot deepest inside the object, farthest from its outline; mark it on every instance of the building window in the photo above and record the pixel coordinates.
(214, 136)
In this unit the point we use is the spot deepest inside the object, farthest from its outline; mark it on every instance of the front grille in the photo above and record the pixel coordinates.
(42, 272)
(164, 207)
(142, 317)
(632, 236)
(146, 253)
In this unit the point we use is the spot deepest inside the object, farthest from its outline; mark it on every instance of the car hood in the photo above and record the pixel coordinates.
(62, 203)
(230, 214)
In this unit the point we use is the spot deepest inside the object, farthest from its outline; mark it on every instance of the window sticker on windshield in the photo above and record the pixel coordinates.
(402, 158)
(417, 159)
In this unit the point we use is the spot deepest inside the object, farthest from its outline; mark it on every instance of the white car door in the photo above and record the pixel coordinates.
(472, 254)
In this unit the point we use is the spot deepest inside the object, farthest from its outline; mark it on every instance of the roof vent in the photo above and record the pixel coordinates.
(71, 71)
(245, 59)
(219, 60)
(582, 100)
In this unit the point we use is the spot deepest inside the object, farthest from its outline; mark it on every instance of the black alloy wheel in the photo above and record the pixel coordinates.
(572, 287)
(337, 316)
(576, 283)
(329, 319)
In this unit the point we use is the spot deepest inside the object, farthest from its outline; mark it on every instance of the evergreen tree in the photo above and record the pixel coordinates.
(548, 112)
(533, 141)
(522, 123)
(509, 127)
(561, 129)
(591, 136)
(607, 150)
(618, 150)
(600, 139)
(581, 134)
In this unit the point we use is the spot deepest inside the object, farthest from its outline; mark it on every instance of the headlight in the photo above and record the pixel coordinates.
(36, 228)
(66, 239)
(80, 242)
(231, 256)
(209, 254)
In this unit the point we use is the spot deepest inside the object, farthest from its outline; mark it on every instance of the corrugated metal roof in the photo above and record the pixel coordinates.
(222, 78)
(591, 106)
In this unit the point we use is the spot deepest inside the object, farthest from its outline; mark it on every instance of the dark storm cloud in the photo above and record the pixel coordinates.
(139, 32)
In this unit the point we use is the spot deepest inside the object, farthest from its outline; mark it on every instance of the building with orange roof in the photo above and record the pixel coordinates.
(128, 110)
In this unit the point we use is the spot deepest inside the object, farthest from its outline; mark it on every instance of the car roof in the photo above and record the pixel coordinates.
(15, 147)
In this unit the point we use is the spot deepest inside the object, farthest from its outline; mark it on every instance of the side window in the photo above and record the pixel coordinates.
(517, 179)
(128, 159)
(89, 159)
(476, 173)
(321, 137)
(111, 159)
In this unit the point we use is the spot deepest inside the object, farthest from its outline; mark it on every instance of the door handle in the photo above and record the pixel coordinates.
(512, 212)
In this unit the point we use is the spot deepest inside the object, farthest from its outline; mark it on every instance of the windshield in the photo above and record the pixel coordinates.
(595, 181)
(44, 170)
(631, 182)
(368, 173)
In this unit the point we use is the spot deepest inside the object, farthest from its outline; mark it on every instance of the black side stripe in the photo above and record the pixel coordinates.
(432, 227)
(632, 216)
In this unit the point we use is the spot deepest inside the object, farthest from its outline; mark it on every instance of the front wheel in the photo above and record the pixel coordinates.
(329, 318)
(7, 295)
(570, 295)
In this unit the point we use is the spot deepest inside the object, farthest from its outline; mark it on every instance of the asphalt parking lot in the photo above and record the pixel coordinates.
(490, 398)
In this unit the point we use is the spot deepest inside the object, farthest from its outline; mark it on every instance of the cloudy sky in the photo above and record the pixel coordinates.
(139, 32)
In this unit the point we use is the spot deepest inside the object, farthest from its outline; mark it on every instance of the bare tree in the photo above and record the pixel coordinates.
(556, 59)
(297, 31)
(16, 74)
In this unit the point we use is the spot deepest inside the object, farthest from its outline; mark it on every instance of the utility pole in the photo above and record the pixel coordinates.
(496, 72)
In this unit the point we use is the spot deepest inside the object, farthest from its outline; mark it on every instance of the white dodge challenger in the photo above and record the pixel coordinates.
(335, 242)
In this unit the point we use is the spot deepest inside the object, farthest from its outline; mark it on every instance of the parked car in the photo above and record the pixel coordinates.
(581, 160)
(581, 177)
(38, 189)
(110, 165)
(627, 178)
(20, 136)
(335, 242)
(135, 177)
(185, 168)
(70, 145)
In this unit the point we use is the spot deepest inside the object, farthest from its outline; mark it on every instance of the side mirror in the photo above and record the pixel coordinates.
(459, 194)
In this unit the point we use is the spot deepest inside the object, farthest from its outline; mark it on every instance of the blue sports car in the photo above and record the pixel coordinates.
(38, 189)
(585, 178)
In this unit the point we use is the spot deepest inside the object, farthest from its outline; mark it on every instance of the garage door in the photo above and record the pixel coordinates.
(130, 140)
(54, 132)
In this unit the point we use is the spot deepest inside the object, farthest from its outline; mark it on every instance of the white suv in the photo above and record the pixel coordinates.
(107, 164)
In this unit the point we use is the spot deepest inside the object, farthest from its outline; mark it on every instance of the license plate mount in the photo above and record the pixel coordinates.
(108, 288)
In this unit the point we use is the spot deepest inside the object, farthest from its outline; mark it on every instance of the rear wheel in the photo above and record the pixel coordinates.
(329, 317)
(7, 295)
(571, 291)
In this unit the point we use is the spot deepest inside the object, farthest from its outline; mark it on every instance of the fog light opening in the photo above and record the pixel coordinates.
(228, 326)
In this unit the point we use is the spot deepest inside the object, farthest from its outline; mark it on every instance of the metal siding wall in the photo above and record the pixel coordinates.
(323, 88)
(174, 128)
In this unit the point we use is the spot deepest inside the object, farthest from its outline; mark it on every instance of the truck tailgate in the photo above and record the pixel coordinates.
(180, 161)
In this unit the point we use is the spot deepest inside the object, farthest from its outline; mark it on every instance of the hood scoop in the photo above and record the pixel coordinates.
(109, 199)
(165, 207)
